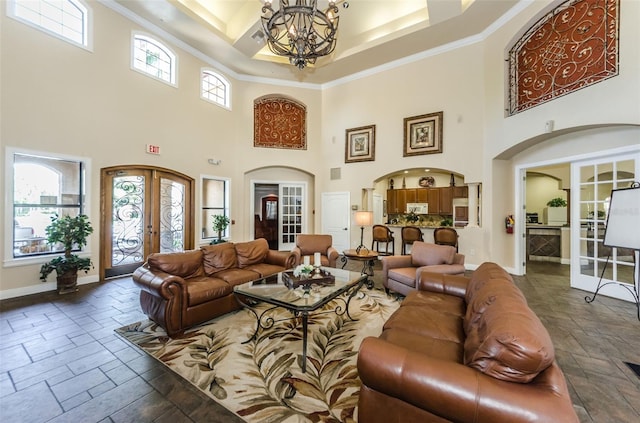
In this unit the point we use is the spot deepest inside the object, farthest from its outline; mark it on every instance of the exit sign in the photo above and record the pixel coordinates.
(153, 149)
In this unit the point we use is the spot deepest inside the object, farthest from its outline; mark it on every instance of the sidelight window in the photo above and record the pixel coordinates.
(215, 201)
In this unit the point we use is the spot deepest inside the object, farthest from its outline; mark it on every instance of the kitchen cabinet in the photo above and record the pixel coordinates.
(422, 195)
(446, 201)
(461, 192)
(433, 197)
(392, 201)
(461, 216)
(410, 197)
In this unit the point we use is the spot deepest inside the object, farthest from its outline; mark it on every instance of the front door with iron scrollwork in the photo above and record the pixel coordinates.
(144, 210)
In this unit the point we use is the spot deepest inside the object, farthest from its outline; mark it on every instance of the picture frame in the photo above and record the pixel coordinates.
(360, 144)
(423, 134)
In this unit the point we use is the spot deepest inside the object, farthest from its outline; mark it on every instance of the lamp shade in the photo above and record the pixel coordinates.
(364, 218)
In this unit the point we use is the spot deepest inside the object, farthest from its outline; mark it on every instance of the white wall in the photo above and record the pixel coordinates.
(62, 99)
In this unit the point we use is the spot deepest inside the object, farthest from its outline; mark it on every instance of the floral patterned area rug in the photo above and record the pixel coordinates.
(261, 380)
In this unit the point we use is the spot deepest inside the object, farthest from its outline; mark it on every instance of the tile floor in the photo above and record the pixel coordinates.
(60, 360)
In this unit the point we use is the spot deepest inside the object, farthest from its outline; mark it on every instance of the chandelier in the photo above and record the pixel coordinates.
(300, 31)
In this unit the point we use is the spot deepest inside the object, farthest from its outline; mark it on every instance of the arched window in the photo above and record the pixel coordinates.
(68, 20)
(215, 88)
(153, 58)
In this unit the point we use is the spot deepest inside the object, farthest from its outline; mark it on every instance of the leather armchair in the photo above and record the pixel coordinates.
(402, 273)
(307, 245)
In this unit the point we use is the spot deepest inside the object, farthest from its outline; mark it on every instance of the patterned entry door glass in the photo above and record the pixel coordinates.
(171, 215)
(127, 231)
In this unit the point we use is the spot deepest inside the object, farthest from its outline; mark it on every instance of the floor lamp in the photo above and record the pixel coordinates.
(363, 218)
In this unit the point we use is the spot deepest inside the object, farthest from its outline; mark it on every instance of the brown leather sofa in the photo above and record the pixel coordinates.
(180, 290)
(402, 273)
(463, 349)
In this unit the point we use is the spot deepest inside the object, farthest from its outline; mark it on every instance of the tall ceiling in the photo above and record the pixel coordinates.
(371, 32)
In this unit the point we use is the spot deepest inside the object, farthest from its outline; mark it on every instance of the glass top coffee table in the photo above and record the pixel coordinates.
(300, 301)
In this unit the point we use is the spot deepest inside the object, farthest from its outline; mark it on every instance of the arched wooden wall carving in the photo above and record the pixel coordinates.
(279, 122)
(571, 47)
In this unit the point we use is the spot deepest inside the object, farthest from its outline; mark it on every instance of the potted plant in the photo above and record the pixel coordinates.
(557, 202)
(220, 223)
(70, 232)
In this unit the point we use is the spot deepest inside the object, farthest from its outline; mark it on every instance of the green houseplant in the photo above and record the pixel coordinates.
(220, 223)
(70, 232)
(557, 202)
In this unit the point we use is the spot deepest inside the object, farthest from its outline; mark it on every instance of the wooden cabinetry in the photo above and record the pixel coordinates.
(422, 195)
(440, 200)
(461, 217)
(460, 192)
(433, 198)
(446, 201)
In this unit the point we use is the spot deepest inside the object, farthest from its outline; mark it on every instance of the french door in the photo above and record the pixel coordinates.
(592, 261)
(143, 210)
(292, 207)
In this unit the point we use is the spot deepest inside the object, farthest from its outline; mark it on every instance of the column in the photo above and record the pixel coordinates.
(473, 205)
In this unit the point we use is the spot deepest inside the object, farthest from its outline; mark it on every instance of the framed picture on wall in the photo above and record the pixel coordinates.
(423, 134)
(360, 144)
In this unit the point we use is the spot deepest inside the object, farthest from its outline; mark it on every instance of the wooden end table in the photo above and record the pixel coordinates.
(368, 259)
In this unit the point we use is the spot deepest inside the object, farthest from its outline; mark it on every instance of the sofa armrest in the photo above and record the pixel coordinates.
(446, 284)
(297, 255)
(392, 262)
(285, 259)
(454, 391)
(158, 283)
(332, 256)
(458, 259)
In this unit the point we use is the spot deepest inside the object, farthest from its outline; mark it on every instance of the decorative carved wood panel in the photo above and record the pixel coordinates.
(279, 123)
(573, 46)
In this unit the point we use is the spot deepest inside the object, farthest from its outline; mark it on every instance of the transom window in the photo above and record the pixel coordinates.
(153, 58)
(42, 187)
(215, 88)
(65, 19)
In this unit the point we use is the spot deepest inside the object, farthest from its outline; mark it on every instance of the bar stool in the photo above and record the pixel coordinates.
(382, 234)
(410, 234)
(446, 236)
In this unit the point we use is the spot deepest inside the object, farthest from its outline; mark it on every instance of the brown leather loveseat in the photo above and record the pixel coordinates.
(183, 289)
(463, 350)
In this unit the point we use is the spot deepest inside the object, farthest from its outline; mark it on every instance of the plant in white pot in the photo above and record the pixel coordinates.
(220, 223)
(556, 212)
(71, 232)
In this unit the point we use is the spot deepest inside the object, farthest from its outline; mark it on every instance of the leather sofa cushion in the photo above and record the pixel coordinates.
(506, 340)
(484, 273)
(435, 348)
(252, 252)
(437, 301)
(204, 289)
(186, 264)
(427, 322)
(265, 269)
(427, 254)
(219, 257)
(237, 276)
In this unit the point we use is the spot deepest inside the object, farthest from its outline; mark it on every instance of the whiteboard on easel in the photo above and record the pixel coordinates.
(623, 220)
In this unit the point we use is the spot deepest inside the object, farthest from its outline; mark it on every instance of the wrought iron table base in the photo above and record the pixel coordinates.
(263, 321)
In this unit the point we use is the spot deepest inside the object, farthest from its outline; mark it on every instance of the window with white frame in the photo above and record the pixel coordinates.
(215, 88)
(68, 20)
(153, 58)
(42, 187)
(215, 201)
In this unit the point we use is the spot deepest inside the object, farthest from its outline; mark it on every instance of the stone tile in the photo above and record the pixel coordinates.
(13, 357)
(33, 404)
(121, 374)
(77, 384)
(107, 404)
(145, 409)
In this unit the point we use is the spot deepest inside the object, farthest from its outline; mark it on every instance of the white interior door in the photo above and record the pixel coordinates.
(335, 219)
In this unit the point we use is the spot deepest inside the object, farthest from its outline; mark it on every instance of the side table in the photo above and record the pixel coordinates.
(368, 259)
